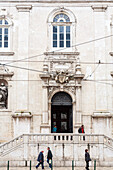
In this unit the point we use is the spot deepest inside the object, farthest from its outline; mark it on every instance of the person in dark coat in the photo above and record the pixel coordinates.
(81, 130)
(87, 159)
(40, 159)
(49, 157)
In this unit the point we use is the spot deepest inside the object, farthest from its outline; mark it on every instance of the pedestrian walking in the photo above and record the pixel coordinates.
(87, 159)
(49, 157)
(81, 130)
(40, 159)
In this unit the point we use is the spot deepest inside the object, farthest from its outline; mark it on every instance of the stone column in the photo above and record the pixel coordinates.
(78, 77)
(78, 107)
(45, 105)
(45, 127)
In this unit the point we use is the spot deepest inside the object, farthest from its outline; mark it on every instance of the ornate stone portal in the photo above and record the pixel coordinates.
(62, 72)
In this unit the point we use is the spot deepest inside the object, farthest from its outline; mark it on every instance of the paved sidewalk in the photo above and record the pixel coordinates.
(58, 168)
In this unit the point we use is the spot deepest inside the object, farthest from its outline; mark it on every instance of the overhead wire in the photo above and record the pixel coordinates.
(22, 68)
(21, 60)
(93, 71)
(86, 42)
(40, 61)
(98, 81)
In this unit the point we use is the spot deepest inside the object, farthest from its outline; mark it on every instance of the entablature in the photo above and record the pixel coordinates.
(61, 55)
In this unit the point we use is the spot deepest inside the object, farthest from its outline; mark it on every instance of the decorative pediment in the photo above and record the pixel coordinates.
(62, 69)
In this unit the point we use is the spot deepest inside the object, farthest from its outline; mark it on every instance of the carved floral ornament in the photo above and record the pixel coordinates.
(52, 89)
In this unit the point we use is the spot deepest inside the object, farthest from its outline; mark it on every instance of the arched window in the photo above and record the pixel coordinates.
(4, 34)
(61, 31)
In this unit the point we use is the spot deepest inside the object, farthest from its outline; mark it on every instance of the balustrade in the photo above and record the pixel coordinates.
(56, 138)
(108, 141)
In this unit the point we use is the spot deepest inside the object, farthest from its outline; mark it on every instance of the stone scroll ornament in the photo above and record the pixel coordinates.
(3, 95)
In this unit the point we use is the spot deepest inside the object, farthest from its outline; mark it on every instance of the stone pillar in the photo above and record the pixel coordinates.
(100, 54)
(45, 127)
(78, 77)
(78, 107)
(23, 52)
(111, 24)
(26, 147)
(101, 148)
(45, 106)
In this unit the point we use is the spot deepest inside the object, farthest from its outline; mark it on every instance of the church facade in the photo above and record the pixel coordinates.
(56, 67)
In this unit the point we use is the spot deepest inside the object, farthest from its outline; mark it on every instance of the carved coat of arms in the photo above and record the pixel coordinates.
(62, 77)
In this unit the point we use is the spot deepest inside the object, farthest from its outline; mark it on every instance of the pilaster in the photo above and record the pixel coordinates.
(23, 52)
(99, 27)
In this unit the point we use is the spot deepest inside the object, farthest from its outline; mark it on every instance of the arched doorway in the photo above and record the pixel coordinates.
(61, 113)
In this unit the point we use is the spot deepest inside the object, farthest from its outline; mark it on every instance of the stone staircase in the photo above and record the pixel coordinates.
(65, 148)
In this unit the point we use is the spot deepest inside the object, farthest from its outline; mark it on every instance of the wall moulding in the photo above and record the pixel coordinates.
(61, 55)
(111, 53)
(102, 114)
(99, 8)
(22, 114)
(24, 8)
(6, 53)
(112, 73)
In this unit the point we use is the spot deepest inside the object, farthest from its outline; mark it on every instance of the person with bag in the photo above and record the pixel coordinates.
(49, 157)
(87, 159)
(40, 159)
(81, 130)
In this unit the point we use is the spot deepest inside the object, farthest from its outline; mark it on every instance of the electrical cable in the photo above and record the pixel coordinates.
(22, 68)
(39, 61)
(96, 81)
(93, 70)
(86, 42)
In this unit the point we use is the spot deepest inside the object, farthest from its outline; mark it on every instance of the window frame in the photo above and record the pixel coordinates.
(64, 24)
(3, 27)
(50, 23)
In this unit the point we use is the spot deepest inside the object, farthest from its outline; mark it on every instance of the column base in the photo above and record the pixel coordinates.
(45, 128)
(76, 127)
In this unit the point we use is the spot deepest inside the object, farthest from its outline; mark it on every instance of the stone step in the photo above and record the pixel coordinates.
(56, 168)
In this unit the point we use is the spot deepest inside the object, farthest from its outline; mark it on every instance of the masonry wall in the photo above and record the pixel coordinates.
(30, 38)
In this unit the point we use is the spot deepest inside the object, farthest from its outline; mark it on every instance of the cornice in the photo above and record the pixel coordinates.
(61, 53)
(24, 8)
(58, 1)
(99, 8)
(6, 53)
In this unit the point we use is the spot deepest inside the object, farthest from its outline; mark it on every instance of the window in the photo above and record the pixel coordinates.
(4, 34)
(61, 31)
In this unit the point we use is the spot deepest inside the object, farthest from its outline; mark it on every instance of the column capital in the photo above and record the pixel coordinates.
(24, 8)
(99, 8)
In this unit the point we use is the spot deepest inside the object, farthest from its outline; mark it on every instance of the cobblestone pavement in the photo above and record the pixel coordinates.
(58, 168)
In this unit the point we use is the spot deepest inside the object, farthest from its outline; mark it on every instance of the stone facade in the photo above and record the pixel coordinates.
(34, 71)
